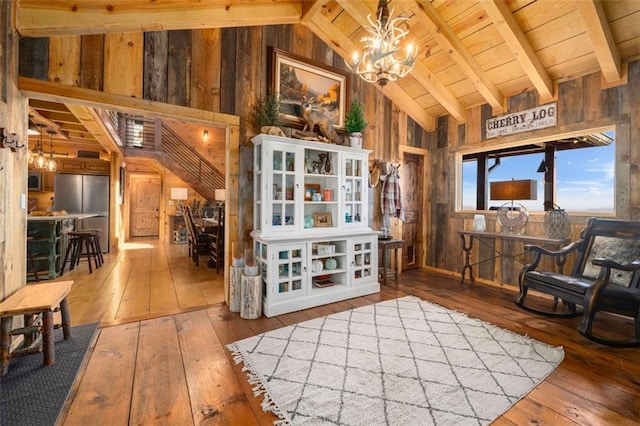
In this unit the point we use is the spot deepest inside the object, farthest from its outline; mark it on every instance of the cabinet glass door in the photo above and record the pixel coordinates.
(281, 188)
(290, 271)
(354, 192)
(363, 259)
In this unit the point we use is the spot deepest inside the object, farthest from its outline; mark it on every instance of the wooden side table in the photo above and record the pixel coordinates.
(384, 246)
(34, 299)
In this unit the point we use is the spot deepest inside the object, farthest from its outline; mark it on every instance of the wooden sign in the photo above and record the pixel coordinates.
(523, 121)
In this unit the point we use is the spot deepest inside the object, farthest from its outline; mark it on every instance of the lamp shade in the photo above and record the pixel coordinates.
(179, 193)
(525, 189)
(220, 194)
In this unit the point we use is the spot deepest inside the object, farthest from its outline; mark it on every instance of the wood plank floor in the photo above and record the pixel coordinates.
(155, 366)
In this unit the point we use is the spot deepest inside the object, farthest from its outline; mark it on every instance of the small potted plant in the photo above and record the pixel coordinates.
(355, 124)
(267, 115)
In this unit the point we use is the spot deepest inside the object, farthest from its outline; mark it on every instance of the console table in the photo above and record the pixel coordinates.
(467, 238)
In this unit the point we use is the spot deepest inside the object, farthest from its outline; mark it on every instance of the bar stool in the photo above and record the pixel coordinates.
(32, 259)
(74, 249)
(97, 247)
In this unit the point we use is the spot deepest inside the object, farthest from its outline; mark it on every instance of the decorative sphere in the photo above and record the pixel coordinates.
(330, 263)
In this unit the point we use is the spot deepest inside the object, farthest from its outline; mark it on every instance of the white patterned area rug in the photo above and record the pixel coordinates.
(399, 362)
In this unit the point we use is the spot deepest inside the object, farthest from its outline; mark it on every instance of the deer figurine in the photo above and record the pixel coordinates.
(313, 117)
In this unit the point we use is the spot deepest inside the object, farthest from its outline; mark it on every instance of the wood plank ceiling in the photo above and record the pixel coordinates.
(471, 52)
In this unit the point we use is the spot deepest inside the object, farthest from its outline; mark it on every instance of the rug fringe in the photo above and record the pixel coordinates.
(268, 405)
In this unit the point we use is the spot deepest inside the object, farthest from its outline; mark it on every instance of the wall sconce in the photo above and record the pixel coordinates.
(205, 135)
(9, 140)
(512, 216)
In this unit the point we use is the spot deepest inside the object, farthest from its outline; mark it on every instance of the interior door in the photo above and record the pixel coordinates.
(145, 206)
(412, 172)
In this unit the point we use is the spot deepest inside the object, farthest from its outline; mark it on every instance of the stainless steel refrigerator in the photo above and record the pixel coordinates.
(85, 194)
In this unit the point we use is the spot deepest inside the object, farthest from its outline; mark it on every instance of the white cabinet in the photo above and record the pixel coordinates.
(310, 223)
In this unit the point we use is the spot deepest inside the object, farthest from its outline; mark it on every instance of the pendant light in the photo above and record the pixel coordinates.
(51, 164)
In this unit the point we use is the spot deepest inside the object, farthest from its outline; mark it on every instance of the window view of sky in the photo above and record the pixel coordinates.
(585, 179)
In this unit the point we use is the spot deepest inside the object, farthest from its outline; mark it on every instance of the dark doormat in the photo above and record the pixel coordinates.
(33, 394)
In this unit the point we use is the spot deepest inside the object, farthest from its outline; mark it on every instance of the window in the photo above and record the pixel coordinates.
(580, 171)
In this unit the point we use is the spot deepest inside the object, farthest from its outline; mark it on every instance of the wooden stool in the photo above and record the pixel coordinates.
(34, 299)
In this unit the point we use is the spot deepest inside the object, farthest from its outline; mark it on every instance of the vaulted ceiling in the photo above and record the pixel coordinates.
(470, 52)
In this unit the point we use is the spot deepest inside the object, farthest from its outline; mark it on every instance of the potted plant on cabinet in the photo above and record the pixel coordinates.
(355, 123)
(267, 115)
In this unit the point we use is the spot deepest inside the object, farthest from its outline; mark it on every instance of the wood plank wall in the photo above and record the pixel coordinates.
(181, 68)
(13, 176)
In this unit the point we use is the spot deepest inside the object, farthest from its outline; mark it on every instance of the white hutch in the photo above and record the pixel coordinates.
(310, 223)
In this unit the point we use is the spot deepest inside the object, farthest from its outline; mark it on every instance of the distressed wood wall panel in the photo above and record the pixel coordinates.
(592, 96)
(228, 70)
(123, 64)
(205, 70)
(249, 78)
(156, 57)
(571, 102)
(92, 61)
(64, 60)
(34, 57)
(632, 94)
(179, 68)
(302, 41)
(13, 116)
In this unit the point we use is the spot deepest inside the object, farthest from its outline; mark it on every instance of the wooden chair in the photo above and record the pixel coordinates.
(605, 276)
(216, 244)
(198, 241)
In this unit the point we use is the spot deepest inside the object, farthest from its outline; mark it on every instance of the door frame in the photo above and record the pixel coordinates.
(426, 219)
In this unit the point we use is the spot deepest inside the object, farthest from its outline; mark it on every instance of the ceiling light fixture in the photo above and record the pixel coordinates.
(38, 158)
(51, 165)
(380, 61)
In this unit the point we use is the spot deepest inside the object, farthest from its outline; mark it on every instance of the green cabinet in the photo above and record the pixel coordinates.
(48, 244)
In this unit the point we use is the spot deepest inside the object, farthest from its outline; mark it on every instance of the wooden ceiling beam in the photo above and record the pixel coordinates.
(508, 27)
(597, 27)
(35, 18)
(55, 92)
(92, 122)
(327, 32)
(449, 41)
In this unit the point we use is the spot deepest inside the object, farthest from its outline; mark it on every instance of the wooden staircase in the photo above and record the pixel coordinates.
(153, 139)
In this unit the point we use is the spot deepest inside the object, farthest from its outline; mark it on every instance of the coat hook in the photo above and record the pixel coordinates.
(9, 140)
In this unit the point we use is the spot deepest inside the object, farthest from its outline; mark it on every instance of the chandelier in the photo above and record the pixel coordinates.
(382, 60)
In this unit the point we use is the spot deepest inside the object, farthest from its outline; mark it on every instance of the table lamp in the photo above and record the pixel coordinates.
(513, 216)
(178, 195)
(219, 195)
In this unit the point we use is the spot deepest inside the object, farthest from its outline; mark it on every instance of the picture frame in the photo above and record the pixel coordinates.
(290, 73)
(321, 220)
(310, 189)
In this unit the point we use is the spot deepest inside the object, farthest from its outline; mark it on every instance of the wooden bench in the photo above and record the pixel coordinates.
(605, 277)
(34, 301)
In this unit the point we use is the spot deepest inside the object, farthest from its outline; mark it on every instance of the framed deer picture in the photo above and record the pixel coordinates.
(293, 77)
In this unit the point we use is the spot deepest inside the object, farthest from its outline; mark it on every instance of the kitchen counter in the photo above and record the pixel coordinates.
(60, 217)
